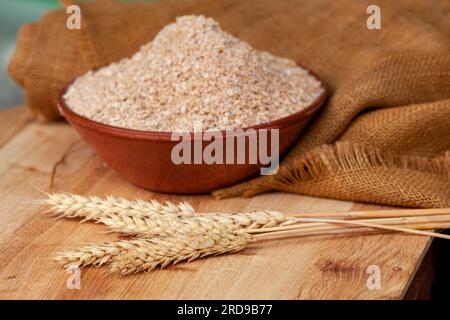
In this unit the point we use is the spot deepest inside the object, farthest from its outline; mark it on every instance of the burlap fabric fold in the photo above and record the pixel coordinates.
(383, 136)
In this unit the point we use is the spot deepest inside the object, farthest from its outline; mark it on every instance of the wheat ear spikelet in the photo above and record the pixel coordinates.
(93, 208)
(150, 253)
(91, 254)
(198, 224)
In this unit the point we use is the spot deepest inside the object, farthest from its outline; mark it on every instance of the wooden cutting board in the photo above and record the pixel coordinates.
(36, 154)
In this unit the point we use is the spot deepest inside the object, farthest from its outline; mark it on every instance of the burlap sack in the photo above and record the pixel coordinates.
(384, 135)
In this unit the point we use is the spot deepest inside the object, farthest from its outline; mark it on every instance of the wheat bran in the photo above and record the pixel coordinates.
(193, 71)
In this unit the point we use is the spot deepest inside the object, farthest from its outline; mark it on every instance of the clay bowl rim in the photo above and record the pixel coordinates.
(71, 115)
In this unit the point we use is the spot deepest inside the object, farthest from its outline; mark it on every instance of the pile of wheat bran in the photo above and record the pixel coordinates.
(193, 72)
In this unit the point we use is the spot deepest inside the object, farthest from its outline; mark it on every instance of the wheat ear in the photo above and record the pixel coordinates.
(160, 249)
(93, 208)
(149, 253)
(218, 227)
(198, 224)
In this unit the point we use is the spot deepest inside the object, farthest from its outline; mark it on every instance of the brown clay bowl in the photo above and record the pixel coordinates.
(144, 157)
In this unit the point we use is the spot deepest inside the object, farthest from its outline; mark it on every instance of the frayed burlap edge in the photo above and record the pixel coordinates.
(342, 158)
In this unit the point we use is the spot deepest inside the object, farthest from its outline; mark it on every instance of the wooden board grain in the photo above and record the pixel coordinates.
(293, 268)
(12, 121)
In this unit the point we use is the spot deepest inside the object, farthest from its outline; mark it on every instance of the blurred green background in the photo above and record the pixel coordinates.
(14, 13)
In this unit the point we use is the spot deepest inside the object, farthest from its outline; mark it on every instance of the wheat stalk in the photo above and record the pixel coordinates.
(141, 217)
(92, 208)
(218, 227)
(198, 224)
(386, 213)
(180, 235)
(357, 223)
(144, 254)
(413, 222)
(348, 230)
